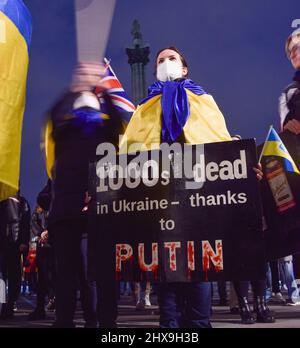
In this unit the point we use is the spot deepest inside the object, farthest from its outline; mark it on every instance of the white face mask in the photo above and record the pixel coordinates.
(169, 70)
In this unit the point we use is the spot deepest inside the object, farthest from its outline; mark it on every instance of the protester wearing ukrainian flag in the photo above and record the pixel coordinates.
(15, 37)
(176, 108)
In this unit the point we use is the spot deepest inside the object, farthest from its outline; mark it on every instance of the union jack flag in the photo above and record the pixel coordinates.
(117, 93)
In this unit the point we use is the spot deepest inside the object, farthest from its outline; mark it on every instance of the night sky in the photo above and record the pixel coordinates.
(234, 49)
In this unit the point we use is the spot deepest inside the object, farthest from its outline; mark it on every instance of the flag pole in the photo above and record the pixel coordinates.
(262, 151)
(107, 62)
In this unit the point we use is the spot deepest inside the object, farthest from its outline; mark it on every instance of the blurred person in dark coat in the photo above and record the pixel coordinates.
(78, 127)
(45, 256)
(15, 234)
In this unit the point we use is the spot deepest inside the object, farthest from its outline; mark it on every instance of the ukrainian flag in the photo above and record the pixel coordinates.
(274, 147)
(15, 37)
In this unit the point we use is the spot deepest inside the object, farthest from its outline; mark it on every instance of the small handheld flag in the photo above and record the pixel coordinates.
(116, 92)
(274, 146)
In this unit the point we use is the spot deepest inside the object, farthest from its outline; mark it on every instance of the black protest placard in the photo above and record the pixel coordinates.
(199, 218)
(282, 236)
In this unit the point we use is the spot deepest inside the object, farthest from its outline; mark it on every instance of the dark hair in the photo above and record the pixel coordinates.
(175, 49)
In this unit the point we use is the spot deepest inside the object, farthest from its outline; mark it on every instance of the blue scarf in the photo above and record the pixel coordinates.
(87, 119)
(175, 105)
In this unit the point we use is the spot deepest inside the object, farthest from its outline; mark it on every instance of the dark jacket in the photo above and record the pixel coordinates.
(289, 103)
(76, 140)
(38, 223)
(15, 220)
(44, 197)
(289, 108)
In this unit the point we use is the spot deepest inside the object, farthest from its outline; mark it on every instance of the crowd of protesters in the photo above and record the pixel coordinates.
(49, 250)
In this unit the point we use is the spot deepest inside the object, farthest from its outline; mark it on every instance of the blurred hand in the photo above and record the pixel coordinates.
(258, 171)
(86, 76)
(293, 126)
(44, 237)
(87, 200)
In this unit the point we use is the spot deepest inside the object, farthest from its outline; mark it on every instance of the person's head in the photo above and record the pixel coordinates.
(39, 209)
(170, 64)
(292, 48)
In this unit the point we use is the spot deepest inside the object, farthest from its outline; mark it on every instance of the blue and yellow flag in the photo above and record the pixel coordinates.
(205, 124)
(274, 147)
(15, 37)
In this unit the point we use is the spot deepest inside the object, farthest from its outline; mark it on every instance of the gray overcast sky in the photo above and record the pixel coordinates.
(234, 48)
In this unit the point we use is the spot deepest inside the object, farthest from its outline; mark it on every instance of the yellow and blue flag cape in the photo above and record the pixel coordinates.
(205, 124)
(274, 147)
(15, 37)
